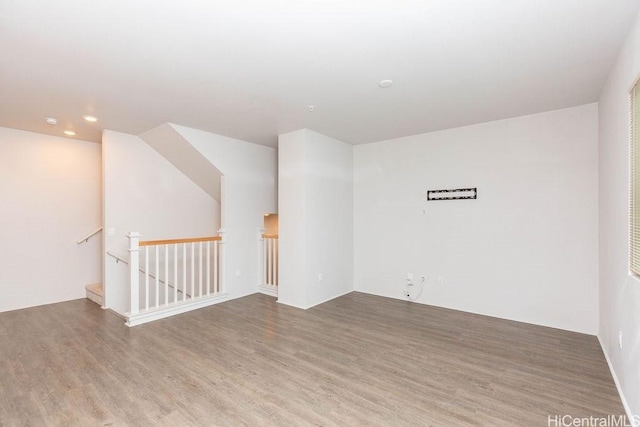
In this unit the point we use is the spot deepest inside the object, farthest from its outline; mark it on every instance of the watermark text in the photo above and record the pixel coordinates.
(604, 421)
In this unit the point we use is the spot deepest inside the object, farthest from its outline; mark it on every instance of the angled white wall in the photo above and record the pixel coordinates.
(315, 189)
(173, 147)
(248, 192)
(144, 192)
(619, 291)
(50, 192)
(525, 250)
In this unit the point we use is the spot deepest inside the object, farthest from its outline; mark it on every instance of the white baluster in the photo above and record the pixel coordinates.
(269, 262)
(146, 277)
(184, 272)
(166, 274)
(175, 273)
(193, 269)
(200, 269)
(208, 268)
(215, 266)
(157, 276)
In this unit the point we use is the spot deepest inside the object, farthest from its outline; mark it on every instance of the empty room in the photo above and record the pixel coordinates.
(323, 213)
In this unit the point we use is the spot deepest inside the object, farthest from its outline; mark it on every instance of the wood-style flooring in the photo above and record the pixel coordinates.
(359, 360)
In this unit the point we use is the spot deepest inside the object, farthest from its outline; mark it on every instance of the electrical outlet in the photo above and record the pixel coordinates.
(440, 280)
(320, 277)
(238, 272)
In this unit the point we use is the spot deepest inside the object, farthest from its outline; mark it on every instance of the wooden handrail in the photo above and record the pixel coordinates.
(174, 241)
(118, 258)
(90, 235)
(269, 236)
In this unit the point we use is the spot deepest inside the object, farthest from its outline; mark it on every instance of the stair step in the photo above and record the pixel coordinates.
(95, 293)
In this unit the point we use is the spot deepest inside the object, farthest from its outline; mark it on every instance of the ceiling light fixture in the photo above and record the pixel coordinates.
(69, 133)
(91, 119)
(51, 121)
(385, 83)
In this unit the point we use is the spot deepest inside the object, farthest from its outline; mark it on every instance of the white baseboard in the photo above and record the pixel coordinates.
(330, 298)
(627, 409)
(268, 290)
(317, 303)
(173, 309)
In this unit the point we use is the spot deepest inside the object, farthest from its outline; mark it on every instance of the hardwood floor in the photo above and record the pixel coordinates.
(359, 360)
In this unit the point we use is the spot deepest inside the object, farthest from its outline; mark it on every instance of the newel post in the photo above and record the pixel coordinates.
(134, 268)
(221, 256)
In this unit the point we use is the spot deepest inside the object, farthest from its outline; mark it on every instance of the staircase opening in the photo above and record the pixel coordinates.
(269, 247)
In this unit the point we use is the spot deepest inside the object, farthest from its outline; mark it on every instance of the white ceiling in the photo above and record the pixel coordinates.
(249, 69)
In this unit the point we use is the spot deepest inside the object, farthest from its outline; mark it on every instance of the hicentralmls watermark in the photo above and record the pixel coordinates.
(605, 421)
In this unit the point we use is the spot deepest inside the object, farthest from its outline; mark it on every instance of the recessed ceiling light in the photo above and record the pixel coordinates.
(91, 119)
(51, 121)
(385, 83)
(69, 133)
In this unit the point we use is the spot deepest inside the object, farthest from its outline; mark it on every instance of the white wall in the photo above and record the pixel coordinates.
(619, 292)
(248, 192)
(50, 192)
(525, 250)
(315, 218)
(293, 243)
(144, 192)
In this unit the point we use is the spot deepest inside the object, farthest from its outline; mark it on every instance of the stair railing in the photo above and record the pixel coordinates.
(88, 236)
(270, 263)
(193, 265)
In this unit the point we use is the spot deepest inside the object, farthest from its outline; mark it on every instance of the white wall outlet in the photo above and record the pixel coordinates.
(238, 272)
(409, 276)
(440, 280)
(620, 339)
(111, 232)
(320, 277)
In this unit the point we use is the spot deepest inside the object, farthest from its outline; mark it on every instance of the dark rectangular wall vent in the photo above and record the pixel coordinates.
(455, 194)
